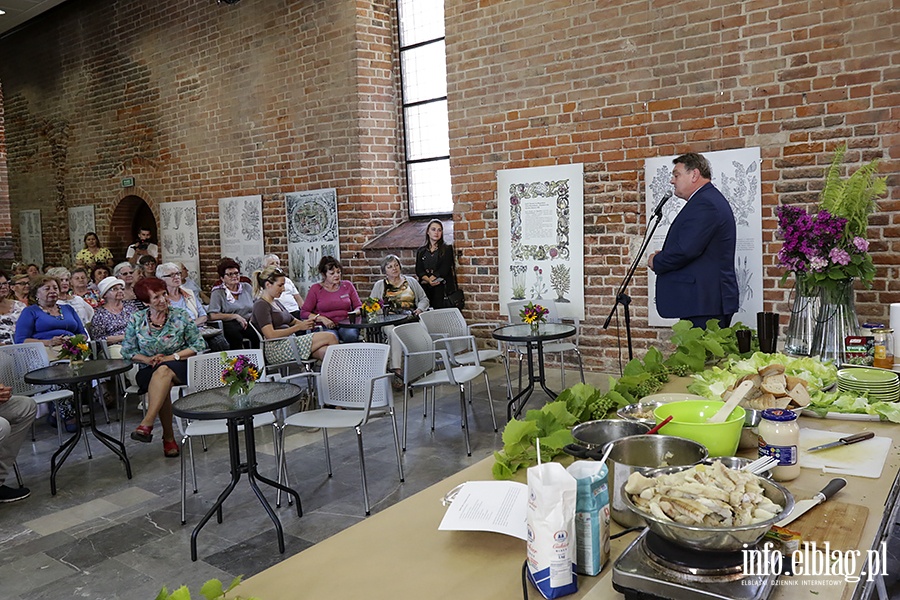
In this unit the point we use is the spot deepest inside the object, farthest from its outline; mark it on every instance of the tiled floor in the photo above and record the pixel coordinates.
(103, 536)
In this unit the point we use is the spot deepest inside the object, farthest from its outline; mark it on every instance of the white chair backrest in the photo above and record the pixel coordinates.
(413, 337)
(18, 359)
(204, 371)
(347, 370)
(447, 322)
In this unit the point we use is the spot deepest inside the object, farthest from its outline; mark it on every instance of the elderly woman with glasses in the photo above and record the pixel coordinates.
(232, 303)
(85, 311)
(126, 272)
(46, 320)
(18, 288)
(275, 322)
(81, 287)
(160, 339)
(10, 309)
(332, 300)
(179, 296)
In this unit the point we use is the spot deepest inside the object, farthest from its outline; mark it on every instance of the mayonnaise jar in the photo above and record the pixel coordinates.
(779, 436)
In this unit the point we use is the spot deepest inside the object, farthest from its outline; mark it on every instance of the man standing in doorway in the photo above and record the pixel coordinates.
(142, 247)
(695, 268)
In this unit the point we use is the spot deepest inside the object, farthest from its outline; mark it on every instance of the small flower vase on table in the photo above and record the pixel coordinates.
(76, 349)
(535, 329)
(240, 375)
(533, 314)
(371, 307)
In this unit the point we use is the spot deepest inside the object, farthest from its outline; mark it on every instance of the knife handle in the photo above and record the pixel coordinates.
(833, 487)
(858, 437)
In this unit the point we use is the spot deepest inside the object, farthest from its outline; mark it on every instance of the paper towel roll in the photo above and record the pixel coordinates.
(895, 325)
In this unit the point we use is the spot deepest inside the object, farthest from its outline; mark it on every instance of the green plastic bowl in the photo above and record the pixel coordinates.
(689, 421)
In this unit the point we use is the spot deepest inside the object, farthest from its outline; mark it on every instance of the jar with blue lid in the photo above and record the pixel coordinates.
(779, 436)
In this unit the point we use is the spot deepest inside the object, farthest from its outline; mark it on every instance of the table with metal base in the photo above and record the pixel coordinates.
(77, 378)
(523, 334)
(374, 328)
(218, 404)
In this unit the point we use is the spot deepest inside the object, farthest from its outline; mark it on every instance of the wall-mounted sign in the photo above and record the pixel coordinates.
(127, 182)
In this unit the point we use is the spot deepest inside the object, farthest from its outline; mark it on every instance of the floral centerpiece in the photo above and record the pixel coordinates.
(239, 374)
(371, 307)
(533, 314)
(76, 349)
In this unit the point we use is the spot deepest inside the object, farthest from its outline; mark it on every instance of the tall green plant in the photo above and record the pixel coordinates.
(852, 198)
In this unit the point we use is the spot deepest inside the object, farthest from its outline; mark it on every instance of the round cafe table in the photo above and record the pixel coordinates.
(78, 379)
(374, 328)
(216, 403)
(522, 334)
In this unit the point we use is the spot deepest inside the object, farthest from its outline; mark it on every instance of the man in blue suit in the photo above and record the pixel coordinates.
(695, 278)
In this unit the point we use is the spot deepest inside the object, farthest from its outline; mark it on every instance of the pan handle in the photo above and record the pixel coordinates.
(581, 452)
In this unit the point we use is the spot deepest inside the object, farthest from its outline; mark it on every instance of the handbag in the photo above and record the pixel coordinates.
(455, 299)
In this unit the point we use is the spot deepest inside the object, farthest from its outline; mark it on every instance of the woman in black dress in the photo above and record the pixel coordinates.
(434, 265)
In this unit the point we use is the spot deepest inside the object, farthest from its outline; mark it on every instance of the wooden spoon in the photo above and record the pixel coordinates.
(731, 403)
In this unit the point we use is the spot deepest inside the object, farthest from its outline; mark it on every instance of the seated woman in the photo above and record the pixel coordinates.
(127, 273)
(113, 316)
(181, 297)
(81, 287)
(10, 309)
(49, 322)
(291, 299)
(402, 293)
(85, 311)
(274, 321)
(332, 300)
(160, 339)
(232, 303)
(19, 286)
(98, 273)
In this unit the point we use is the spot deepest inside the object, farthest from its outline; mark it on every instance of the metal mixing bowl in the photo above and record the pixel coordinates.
(715, 539)
(640, 412)
(593, 435)
(737, 463)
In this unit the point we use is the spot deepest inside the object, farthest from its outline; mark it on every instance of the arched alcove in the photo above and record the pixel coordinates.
(130, 215)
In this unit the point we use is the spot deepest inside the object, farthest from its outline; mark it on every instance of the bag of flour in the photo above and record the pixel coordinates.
(591, 516)
(551, 530)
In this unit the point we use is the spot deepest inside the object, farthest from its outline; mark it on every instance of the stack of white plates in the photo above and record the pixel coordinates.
(881, 385)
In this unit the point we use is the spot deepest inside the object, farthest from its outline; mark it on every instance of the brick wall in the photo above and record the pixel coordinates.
(610, 84)
(200, 101)
(6, 243)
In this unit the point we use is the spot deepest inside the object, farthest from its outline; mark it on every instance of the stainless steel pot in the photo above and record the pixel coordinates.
(643, 453)
(594, 435)
(715, 539)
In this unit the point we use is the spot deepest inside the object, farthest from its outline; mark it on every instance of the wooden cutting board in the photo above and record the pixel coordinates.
(838, 523)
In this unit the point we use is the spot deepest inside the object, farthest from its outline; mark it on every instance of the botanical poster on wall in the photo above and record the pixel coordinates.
(540, 212)
(736, 173)
(240, 231)
(312, 226)
(31, 239)
(178, 240)
(81, 221)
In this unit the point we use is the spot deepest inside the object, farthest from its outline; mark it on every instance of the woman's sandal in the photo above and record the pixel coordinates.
(143, 433)
(170, 449)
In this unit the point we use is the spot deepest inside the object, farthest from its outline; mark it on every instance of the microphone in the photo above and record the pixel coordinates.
(658, 210)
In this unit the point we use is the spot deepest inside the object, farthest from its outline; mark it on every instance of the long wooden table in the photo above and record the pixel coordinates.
(399, 552)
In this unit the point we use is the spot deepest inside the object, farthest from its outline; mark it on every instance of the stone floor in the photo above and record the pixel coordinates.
(105, 537)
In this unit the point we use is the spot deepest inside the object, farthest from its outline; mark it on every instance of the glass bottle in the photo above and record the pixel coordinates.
(779, 436)
(884, 348)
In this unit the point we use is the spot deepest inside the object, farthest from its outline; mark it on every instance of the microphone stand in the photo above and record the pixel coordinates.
(622, 296)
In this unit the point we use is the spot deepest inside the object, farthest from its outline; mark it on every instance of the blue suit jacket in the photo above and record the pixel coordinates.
(695, 268)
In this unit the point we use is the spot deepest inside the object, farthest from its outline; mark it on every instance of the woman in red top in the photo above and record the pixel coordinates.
(332, 300)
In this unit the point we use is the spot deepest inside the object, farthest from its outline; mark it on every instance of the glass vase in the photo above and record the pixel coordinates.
(535, 329)
(371, 317)
(836, 319)
(76, 364)
(804, 312)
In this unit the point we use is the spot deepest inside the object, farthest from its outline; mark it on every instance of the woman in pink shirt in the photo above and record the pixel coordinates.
(331, 301)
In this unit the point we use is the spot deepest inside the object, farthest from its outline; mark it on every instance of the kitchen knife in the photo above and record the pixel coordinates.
(803, 506)
(850, 439)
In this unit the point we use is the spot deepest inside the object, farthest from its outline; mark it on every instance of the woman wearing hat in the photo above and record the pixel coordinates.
(111, 318)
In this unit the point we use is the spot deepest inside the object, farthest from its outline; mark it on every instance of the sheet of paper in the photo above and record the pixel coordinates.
(497, 506)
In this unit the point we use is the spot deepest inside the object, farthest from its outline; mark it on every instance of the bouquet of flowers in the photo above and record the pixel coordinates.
(239, 374)
(372, 305)
(820, 249)
(830, 247)
(75, 348)
(533, 313)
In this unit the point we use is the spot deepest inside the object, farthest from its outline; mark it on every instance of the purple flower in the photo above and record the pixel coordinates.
(838, 256)
(817, 264)
(861, 244)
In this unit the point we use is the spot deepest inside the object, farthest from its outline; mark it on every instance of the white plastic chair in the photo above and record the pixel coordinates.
(282, 371)
(18, 359)
(204, 371)
(420, 358)
(353, 378)
(560, 347)
(449, 322)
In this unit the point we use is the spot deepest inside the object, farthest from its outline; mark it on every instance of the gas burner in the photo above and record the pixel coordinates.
(694, 565)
